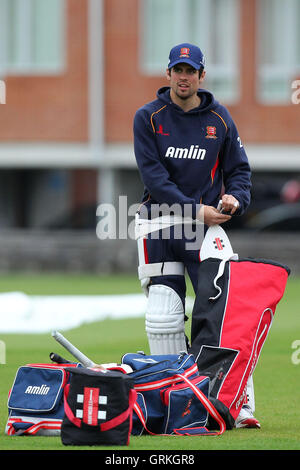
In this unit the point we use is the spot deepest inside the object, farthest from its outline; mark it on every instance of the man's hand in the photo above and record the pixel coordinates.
(211, 216)
(229, 204)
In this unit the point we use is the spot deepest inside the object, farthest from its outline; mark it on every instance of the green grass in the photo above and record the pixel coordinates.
(276, 378)
(61, 284)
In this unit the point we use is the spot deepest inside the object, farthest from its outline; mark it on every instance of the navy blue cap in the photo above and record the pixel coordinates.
(187, 53)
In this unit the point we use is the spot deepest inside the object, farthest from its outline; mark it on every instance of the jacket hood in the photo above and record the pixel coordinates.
(207, 99)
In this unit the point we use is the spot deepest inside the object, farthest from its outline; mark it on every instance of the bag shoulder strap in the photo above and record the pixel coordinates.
(165, 381)
(209, 407)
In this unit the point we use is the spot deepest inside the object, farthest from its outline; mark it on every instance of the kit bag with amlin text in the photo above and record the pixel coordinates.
(35, 402)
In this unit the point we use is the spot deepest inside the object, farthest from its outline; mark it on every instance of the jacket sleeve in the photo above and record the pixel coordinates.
(236, 168)
(154, 174)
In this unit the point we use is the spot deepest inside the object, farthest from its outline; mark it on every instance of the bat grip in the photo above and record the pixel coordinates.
(59, 359)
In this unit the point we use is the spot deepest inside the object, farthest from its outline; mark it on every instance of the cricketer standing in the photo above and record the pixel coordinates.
(190, 156)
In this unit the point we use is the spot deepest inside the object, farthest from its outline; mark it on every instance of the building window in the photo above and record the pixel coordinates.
(32, 36)
(213, 25)
(278, 49)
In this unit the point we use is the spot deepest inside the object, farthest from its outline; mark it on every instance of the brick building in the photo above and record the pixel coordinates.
(76, 71)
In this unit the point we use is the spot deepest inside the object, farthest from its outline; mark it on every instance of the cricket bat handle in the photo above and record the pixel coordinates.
(82, 358)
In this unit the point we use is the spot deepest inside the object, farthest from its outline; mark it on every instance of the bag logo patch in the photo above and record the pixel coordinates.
(146, 360)
(91, 399)
(187, 410)
(37, 390)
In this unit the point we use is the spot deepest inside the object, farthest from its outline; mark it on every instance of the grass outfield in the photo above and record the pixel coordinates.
(276, 378)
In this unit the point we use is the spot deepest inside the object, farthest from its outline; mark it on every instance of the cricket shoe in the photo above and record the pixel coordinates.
(246, 419)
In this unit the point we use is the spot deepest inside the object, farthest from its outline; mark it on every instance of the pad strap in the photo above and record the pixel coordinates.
(145, 226)
(161, 269)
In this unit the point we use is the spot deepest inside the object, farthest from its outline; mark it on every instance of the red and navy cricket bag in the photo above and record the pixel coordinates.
(36, 402)
(232, 314)
(98, 408)
(172, 397)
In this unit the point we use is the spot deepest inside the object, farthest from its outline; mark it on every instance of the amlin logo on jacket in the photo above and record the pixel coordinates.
(192, 152)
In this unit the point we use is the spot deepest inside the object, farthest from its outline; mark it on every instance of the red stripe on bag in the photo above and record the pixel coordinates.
(164, 382)
(90, 405)
(34, 428)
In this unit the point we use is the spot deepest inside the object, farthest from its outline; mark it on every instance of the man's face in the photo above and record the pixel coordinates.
(184, 80)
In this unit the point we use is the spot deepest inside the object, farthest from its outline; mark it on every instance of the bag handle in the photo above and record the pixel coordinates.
(112, 423)
(196, 430)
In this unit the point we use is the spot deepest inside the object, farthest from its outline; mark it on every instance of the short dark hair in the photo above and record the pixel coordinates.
(201, 70)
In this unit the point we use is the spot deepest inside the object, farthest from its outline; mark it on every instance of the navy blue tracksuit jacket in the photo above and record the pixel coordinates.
(186, 158)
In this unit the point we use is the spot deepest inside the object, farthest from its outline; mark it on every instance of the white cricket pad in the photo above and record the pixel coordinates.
(165, 321)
